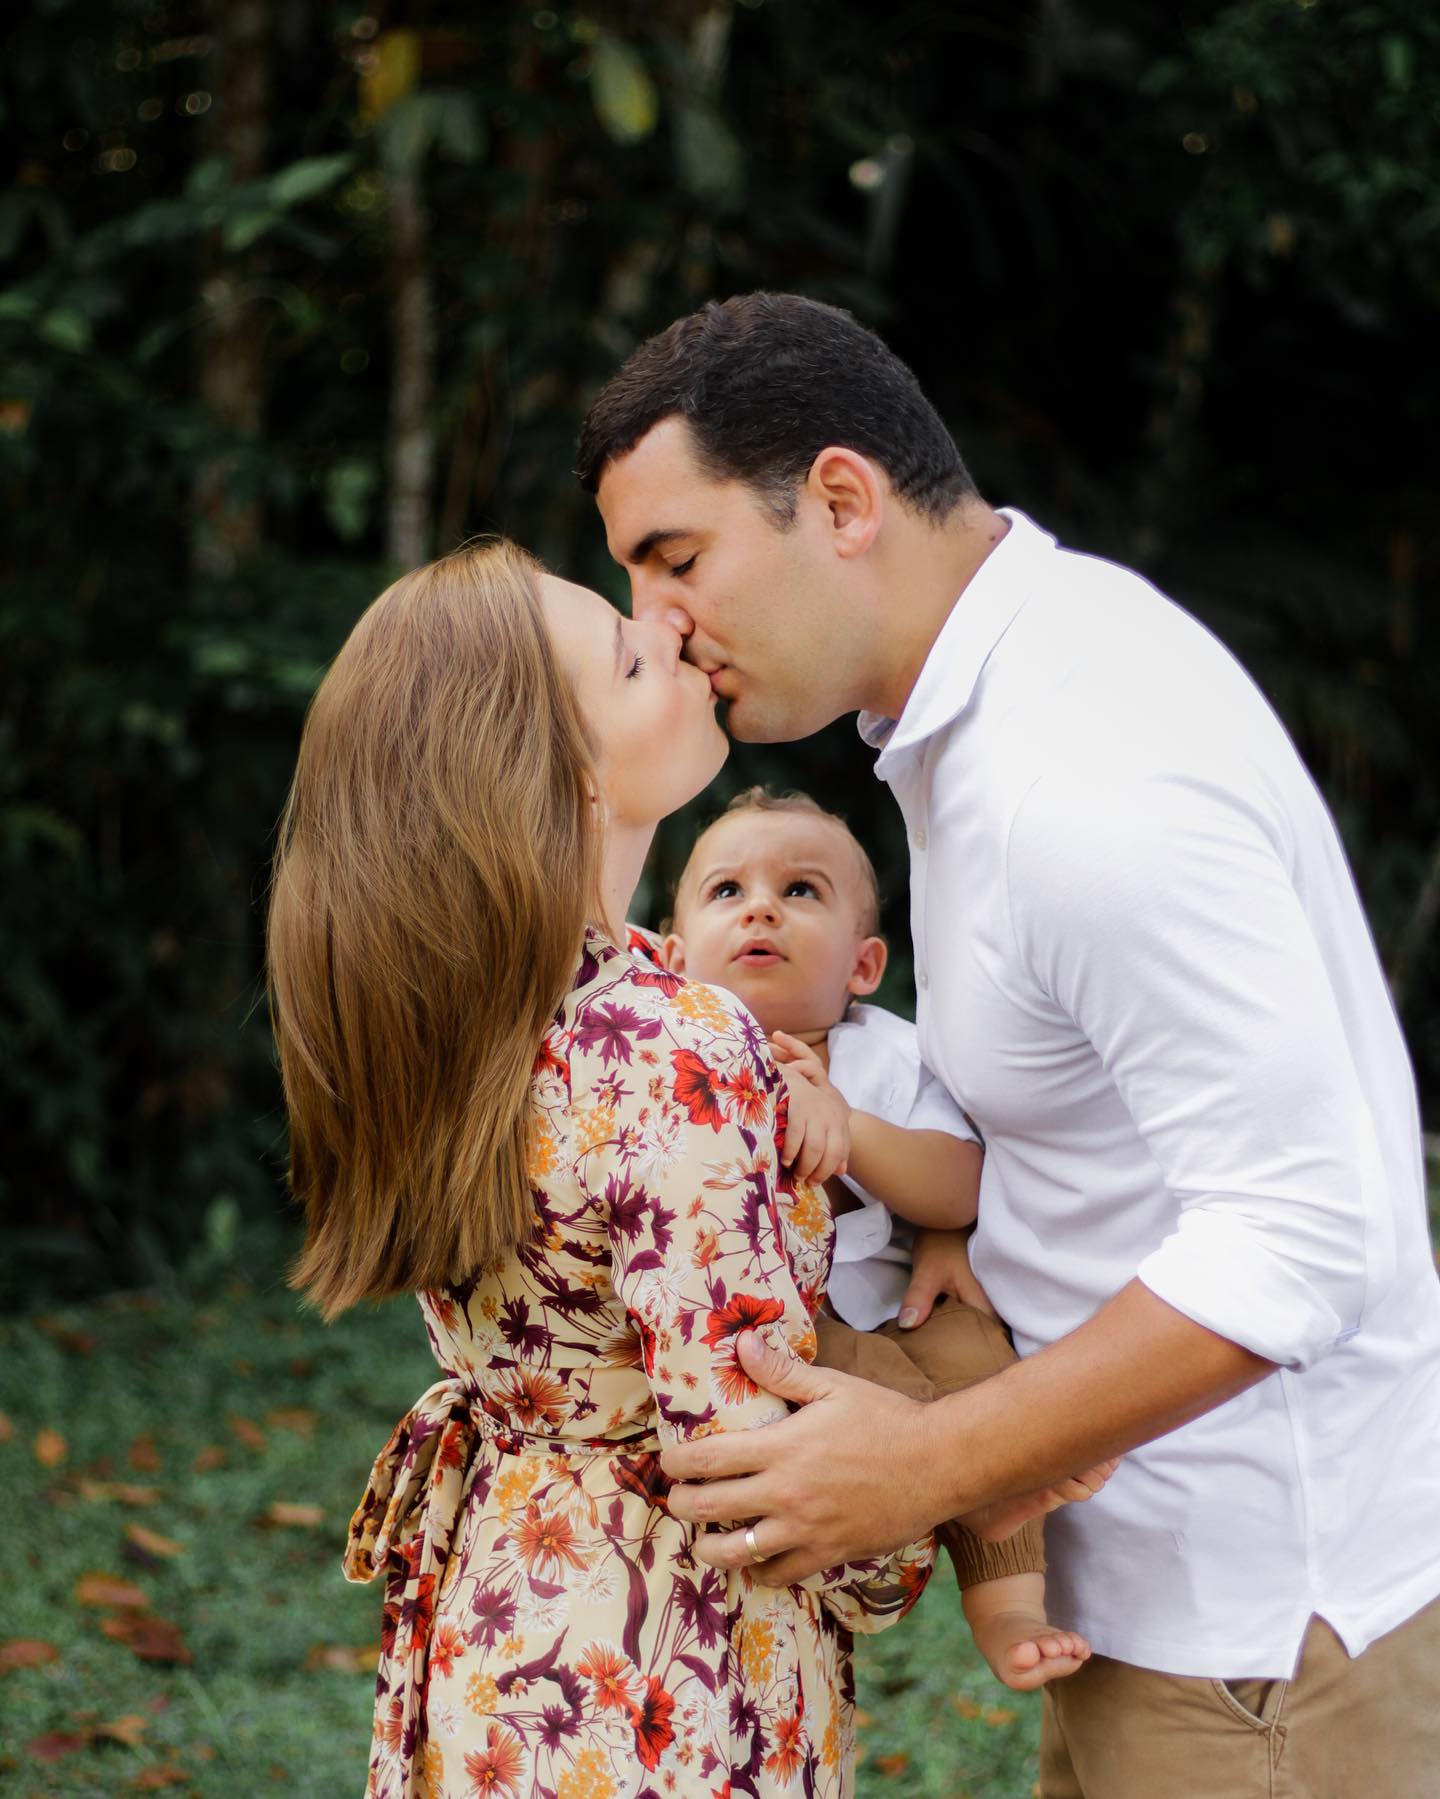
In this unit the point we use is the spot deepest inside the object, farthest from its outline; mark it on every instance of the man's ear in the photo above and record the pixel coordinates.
(871, 955)
(672, 953)
(848, 485)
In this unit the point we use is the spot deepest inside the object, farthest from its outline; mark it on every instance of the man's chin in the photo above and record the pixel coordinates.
(749, 721)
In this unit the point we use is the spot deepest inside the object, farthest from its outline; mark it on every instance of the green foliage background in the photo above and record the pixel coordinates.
(1171, 273)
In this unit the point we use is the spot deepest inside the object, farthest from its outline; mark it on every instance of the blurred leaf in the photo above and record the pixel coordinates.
(55, 1745)
(348, 488)
(50, 1448)
(151, 1543)
(285, 1514)
(97, 1588)
(626, 102)
(311, 176)
(65, 331)
(246, 1431)
(157, 1775)
(710, 159)
(343, 1658)
(152, 1639)
(25, 1652)
(129, 1729)
(392, 71)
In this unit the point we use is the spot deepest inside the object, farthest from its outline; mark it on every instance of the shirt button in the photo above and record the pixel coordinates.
(920, 840)
(923, 979)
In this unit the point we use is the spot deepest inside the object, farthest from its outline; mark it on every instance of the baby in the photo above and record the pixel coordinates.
(778, 904)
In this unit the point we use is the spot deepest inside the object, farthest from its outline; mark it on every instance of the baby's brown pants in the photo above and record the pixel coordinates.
(955, 1347)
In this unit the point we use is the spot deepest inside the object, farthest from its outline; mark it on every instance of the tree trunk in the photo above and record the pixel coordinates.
(412, 379)
(231, 338)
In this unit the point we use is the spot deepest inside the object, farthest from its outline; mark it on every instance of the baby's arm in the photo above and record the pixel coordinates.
(928, 1178)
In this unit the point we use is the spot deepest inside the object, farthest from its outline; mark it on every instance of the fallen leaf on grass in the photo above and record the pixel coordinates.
(50, 1448)
(56, 1744)
(965, 1705)
(161, 1774)
(343, 1657)
(123, 1491)
(211, 1456)
(142, 1455)
(7, 1427)
(152, 1639)
(297, 1418)
(97, 1588)
(77, 1342)
(127, 1729)
(285, 1514)
(892, 1764)
(247, 1431)
(863, 1719)
(150, 1543)
(25, 1652)
(998, 1714)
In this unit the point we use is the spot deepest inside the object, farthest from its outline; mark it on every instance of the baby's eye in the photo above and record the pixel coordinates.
(724, 890)
(802, 887)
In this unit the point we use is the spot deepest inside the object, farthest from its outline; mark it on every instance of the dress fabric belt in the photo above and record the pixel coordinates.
(405, 1528)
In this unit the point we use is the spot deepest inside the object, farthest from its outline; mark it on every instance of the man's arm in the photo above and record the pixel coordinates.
(824, 1484)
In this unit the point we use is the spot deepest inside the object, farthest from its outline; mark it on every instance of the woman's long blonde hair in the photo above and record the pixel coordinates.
(437, 865)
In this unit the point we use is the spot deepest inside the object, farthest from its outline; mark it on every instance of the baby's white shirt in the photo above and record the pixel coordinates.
(875, 1063)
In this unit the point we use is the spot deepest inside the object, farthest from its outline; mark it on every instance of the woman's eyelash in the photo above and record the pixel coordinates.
(635, 668)
(684, 568)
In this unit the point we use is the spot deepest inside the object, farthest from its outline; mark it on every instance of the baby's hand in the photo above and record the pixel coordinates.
(817, 1136)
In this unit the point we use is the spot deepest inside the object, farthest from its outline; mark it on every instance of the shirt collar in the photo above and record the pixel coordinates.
(980, 617)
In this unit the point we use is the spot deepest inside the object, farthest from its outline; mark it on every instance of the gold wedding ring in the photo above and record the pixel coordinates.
(752, 1545)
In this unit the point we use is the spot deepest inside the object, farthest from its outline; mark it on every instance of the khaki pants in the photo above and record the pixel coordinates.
(955, 1347)
(1341, 1729)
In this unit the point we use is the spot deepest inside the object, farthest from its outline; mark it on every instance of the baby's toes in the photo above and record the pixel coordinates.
(1024, 1656)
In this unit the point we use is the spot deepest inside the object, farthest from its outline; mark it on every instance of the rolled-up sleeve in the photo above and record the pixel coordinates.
(1160, 915)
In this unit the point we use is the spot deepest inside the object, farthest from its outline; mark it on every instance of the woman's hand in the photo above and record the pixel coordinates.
(940, 1263)
(817, 1133)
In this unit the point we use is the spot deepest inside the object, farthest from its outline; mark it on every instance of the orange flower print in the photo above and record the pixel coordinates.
(498, 1767)
(654, 1732)
(546, 1543)
(446, 1648)
(790, 1745)
(614, 1676)
(536, 1399)
(391, 1728)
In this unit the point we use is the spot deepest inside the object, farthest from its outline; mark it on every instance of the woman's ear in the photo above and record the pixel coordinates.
(672, 953)
(871, 955)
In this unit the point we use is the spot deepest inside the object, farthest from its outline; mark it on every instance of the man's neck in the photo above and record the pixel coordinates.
(929, 569)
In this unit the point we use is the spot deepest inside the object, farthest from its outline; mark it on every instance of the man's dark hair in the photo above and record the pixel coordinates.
(765, 382)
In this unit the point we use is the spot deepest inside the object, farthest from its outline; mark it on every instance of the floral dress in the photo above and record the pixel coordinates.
(547, 1629)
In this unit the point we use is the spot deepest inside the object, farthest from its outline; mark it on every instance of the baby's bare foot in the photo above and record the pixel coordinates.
(993, 1523)
(1026, 1652)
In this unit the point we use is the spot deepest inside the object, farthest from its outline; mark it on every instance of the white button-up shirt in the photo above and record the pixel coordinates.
(875, 1064)
(1146, 975)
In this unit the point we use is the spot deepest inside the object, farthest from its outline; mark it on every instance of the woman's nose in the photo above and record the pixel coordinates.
(666, 643)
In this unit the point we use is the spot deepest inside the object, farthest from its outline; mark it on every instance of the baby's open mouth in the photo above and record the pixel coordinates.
(759, 955)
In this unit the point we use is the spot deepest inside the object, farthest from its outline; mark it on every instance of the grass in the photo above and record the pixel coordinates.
(190, 1415)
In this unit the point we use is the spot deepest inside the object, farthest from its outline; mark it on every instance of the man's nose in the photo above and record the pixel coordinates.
(658, 608)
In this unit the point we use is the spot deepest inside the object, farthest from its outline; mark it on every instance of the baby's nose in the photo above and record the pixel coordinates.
(762, 905)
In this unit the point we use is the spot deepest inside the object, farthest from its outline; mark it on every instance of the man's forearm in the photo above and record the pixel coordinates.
(1135, 1370)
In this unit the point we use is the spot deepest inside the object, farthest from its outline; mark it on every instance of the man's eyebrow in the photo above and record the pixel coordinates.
(652, 540)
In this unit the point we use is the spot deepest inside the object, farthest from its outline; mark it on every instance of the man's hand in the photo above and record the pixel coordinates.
(817, 1136)
(783, 1475)
(940, 1264)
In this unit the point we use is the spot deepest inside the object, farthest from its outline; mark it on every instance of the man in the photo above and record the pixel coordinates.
(1144, 971)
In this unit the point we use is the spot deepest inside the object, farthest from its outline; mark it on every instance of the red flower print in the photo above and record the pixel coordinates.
(496, 1769)
(446, 1648)
(789, 1751)
(697, 1089)
(614, 1676)
(544, 1542)
(654, 1732)
(744, 1312)
(548, 1061)
(750, 1102)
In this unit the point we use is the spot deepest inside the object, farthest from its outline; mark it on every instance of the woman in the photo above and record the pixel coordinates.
(571, 1157)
